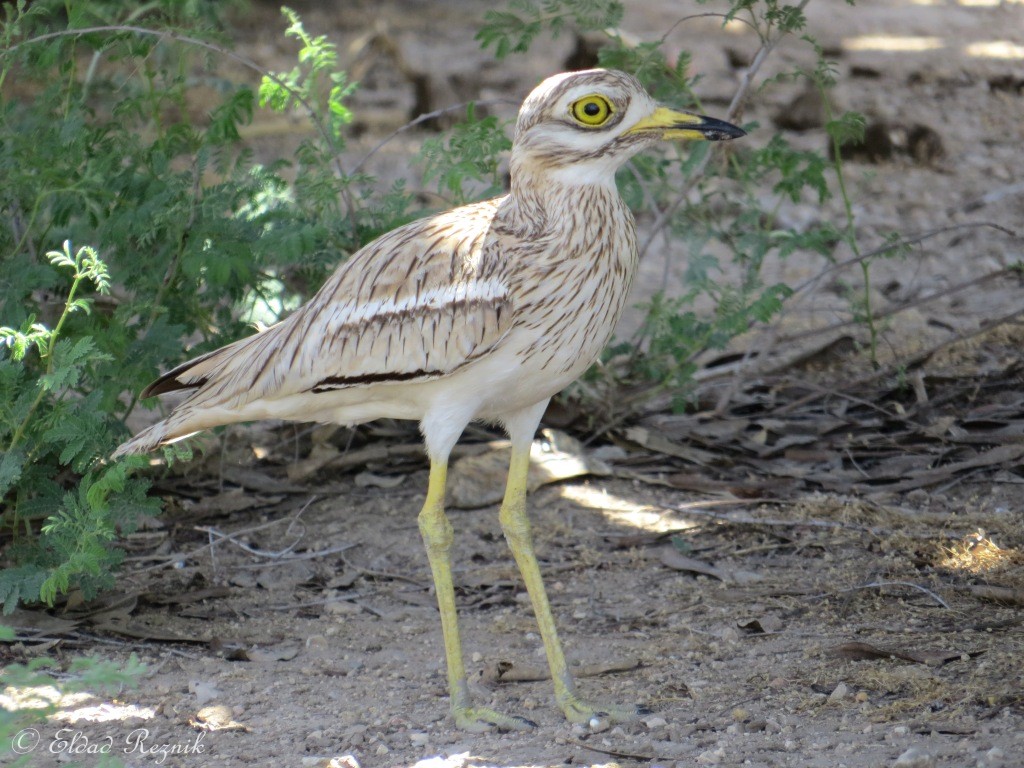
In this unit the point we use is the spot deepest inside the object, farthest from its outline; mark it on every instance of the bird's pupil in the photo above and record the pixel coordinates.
(592, 108)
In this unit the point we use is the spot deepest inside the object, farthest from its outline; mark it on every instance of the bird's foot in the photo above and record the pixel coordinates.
(596, 714)
(481, 719)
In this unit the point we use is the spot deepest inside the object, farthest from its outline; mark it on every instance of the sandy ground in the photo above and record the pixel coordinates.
(829, 630)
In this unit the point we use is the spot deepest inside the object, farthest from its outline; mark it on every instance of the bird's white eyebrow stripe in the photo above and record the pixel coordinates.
(431, 300)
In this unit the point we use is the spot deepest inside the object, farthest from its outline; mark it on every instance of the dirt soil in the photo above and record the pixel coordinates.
(778, 594)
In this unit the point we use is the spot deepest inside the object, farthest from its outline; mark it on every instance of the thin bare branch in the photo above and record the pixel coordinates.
(422, 119)
(693, 16)
(903, 243)
(746, 82)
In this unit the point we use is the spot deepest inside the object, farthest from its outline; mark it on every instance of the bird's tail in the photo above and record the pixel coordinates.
(145, 441)
(148, 439)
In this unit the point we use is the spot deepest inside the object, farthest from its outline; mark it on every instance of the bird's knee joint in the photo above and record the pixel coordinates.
(436, 530)
(516, 532)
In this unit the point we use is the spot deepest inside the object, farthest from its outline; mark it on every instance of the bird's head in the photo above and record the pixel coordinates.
(579, 127)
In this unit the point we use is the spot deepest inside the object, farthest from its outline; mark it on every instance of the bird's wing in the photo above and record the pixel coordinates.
(417, 303)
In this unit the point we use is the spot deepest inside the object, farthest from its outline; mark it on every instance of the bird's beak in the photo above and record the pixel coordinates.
(670, 124)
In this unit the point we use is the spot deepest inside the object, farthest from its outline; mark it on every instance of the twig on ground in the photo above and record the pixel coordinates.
(746, 520)
(89, 640)
(617, 753)
(214, 535)
(383, 574)
(996, 594)
(347, 598)
(881, 584)
(312, 555)
(908, 364)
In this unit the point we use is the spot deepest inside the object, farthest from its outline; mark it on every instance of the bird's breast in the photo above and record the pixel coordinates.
(568, 296)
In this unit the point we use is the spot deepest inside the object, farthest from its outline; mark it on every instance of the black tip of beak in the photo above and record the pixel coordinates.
(714, 129)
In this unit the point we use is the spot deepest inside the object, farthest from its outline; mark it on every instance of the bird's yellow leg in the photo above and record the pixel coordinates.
(437, 536)
(516, 526)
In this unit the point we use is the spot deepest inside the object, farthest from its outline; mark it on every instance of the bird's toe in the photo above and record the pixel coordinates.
(482, 719)
(595, 714)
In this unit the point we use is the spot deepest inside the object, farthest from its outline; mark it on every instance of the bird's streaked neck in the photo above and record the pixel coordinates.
(542, 193)
(536, 176)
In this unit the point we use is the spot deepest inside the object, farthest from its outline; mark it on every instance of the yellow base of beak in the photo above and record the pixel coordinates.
(671, 124)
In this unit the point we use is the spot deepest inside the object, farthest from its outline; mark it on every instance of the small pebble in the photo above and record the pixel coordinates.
(839, 693)
(341, 608)
(418, 738)
(914, 758)
(730, 635)
(381, 750)
(655, 722)
(317, 643)
(995, 756)
(711, 756)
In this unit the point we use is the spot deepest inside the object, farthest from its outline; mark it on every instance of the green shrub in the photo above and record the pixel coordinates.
(180, 239)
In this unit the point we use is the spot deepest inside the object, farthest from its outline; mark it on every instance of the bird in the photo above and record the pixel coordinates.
(479, 313)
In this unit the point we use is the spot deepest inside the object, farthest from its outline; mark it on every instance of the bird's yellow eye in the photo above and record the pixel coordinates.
(591, 110)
